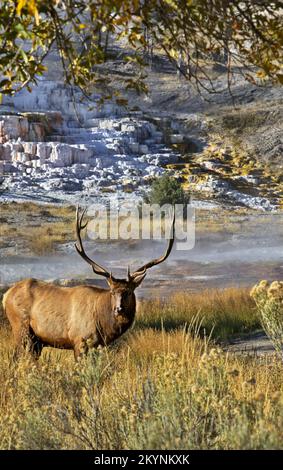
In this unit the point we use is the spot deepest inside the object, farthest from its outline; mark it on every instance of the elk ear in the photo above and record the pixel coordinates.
(138, 279)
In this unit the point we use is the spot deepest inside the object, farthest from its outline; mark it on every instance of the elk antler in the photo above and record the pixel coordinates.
(156, 261)
(80, 249)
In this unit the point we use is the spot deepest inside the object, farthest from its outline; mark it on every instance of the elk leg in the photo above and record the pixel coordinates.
(35, 345)
(83, 346)
(80, 350)
(21, 334)
(26, 340)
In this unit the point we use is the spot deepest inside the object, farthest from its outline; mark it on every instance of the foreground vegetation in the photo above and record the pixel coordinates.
(238, 33)
(162, 386)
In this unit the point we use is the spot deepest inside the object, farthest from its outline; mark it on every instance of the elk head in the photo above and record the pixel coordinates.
(122, 290)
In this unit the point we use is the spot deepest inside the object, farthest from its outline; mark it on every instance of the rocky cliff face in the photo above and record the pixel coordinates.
(56, 145)
(51, 144)
(238, 153)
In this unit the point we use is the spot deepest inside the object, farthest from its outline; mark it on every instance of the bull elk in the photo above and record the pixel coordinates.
(43, 314)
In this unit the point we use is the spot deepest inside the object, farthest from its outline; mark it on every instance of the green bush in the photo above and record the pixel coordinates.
(167, 190)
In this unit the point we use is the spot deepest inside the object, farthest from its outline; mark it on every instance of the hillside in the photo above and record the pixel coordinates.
(225, 149)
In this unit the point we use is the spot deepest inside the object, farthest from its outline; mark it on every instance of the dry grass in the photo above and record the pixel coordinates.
(37, 228)
(43, 239)
(221, 313)
(156, 388)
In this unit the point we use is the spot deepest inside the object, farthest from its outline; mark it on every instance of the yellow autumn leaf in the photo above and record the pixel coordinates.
(42, 68)
(121, 20)
(32, 8)
(174, 53)
(20, 6)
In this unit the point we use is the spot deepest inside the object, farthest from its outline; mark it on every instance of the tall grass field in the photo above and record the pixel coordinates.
(167, 384)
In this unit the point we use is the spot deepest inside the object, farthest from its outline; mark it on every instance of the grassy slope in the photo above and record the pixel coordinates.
(243, 133)
(37, 228)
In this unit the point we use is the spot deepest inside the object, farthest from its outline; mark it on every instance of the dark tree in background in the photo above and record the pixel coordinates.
(167, 190)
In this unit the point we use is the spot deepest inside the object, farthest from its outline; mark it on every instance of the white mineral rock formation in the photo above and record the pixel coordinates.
(48, 143)
(55, 144)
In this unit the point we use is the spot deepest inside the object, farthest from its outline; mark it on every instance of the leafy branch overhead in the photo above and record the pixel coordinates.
(243, 36)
